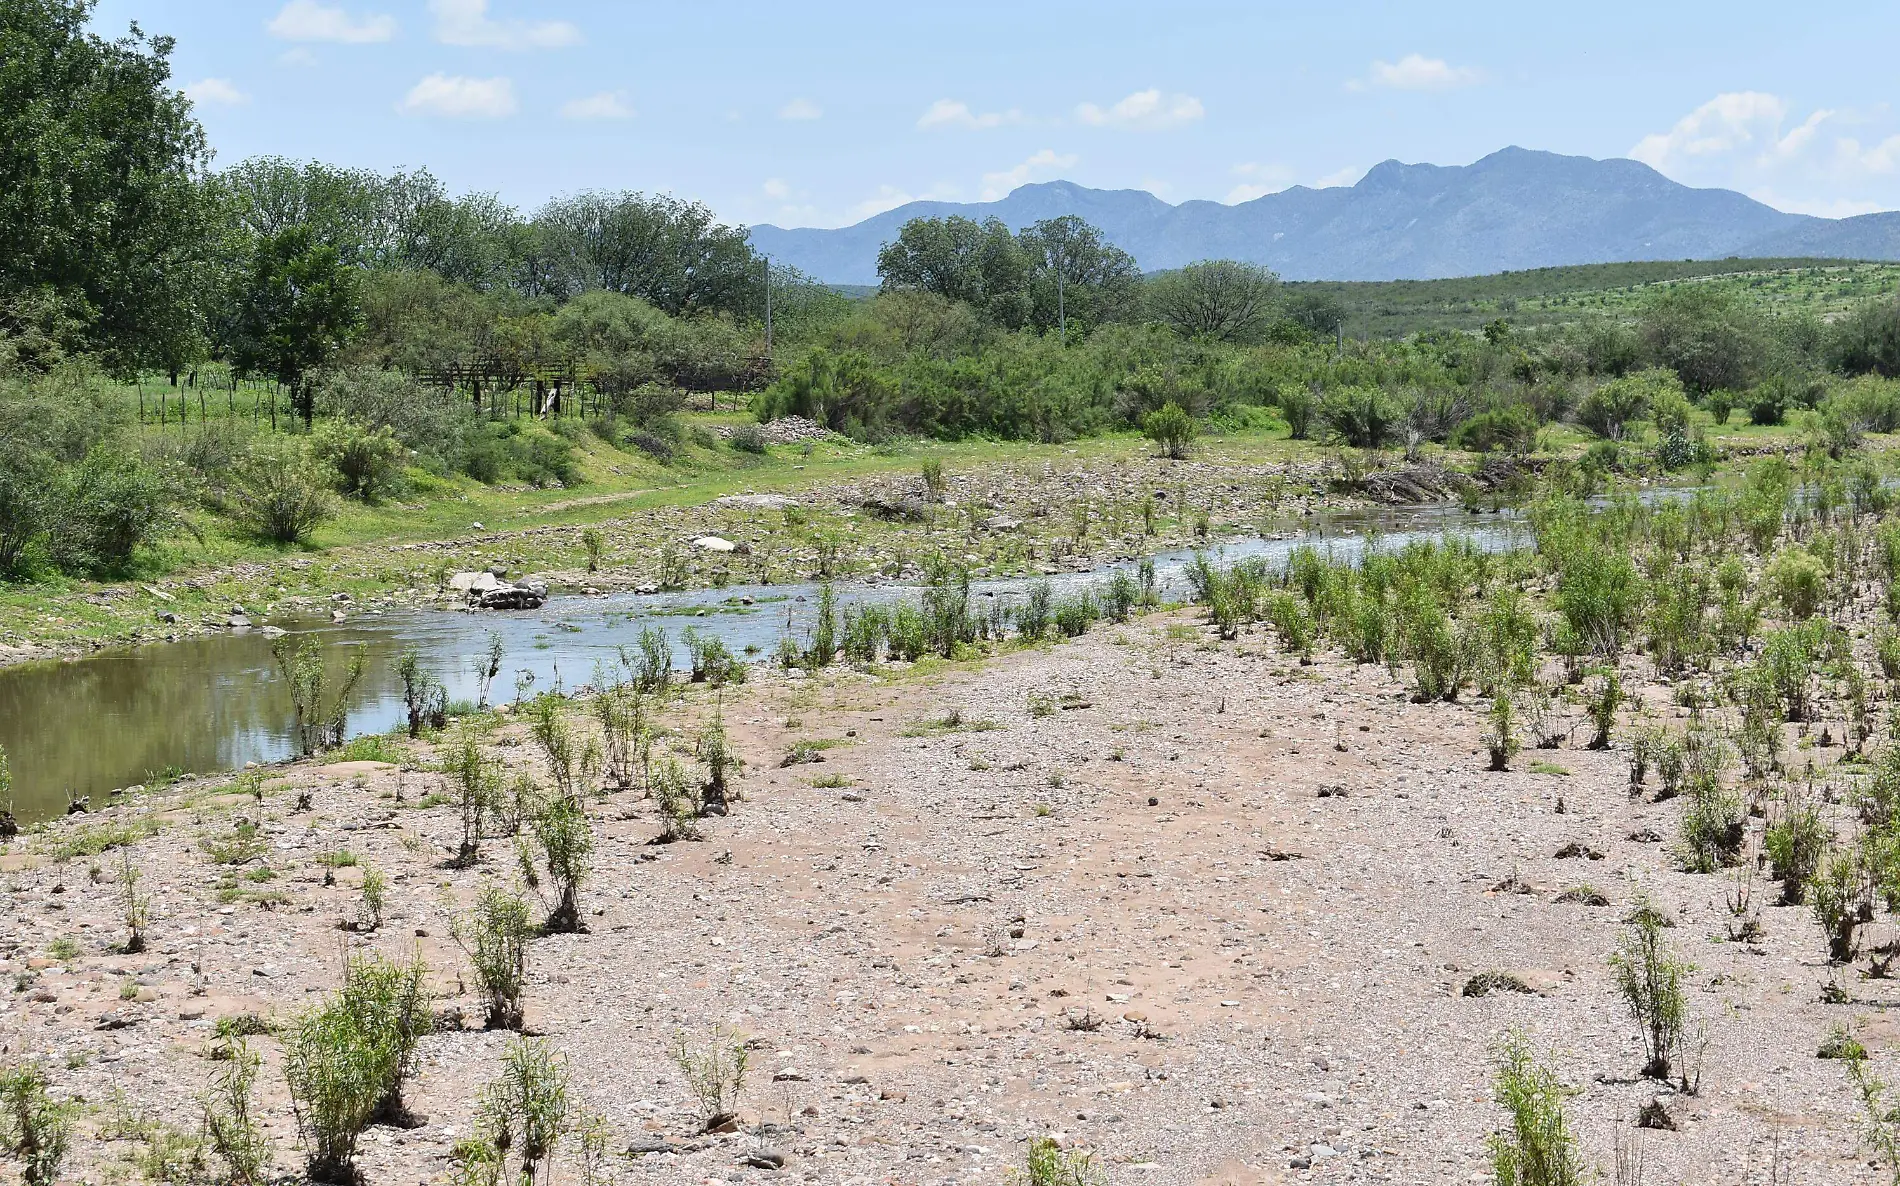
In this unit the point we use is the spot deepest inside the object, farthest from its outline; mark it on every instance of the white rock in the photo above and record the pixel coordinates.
(713, 543)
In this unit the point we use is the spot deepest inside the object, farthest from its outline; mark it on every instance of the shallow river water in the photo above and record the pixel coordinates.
(214, 703)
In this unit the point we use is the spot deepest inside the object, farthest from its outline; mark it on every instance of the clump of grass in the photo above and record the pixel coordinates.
(94, 839)
(714, 1067)
(1840, 1043)
(371, 900)
(239, 846)
(494, 935)
(1536, 1148)
(1500, 733)
(135, 908)
(63, 948)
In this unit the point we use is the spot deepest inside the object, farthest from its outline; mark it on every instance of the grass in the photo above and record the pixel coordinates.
(89, 840)
(1547, 768)
(950, 722)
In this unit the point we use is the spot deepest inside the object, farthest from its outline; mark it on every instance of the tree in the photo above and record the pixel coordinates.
(1315, 310)
(670, 253)
(1868, 339)
(1170, 427)
(1221, 299)
(100, 199)
(1705, 335)
(295, 305)
(979, 264)
(1079, 276)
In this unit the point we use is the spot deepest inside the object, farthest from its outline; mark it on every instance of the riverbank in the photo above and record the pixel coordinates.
(842, 510)
(1203, 911)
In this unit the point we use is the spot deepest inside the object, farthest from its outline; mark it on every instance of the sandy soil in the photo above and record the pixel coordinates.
(1196, 908)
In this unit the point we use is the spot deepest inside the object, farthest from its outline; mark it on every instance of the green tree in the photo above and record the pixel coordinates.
(670, 253)
(1705, 335)
(296, 305)
(100, 197)
(1218, 299)
(979, 264)
(1079, 277)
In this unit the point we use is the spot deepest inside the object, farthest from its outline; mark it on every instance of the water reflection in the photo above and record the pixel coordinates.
(208, 704)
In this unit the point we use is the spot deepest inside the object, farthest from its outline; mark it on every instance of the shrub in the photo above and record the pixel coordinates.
(1799, 582)
(1119, 596)
(1172, 429)
(371, 900)
(715, 753)
(1796, 843)
(1841, 898)
(387, 1001)
(1713, 827)
(106, 508)
(1049, 1164)
(338, 1073)
(1075, 614)
(368, 462)
(1362, 417)
(320, 704)
(424, 696)
(34, 1127)
(748, 438)
(1611, 408)
(1500, 734)
(1033, 613)
(714, 1068)
(566, 840)
(281, 493)
(230, 1127)
(494, 936)
(1537, 1148)
(1299, 407)
(524, 1112)
(1512, 429)
(1649, 978)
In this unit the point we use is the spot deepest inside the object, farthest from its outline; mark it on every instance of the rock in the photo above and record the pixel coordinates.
(523, 594)
(765, 1159)
(714, 543)
(764, 502)
(903, 509)
(238, 622)
(1412, 484)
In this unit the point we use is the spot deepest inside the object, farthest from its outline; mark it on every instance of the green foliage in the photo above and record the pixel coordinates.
(1796, 843)
(714, 1067)
(340, 1062)
(231, 1127)
(1049, 1164)
(1216, 300)
(494, 936)
(524, 1112)
(1798, 580)
(1537, 1148)
(1649, 977)
(1361, 417)
(565, 839)
(368, 462)
(320, 700)
(1172, 429)
(281, 493)
(1500, 734)
(34, 1127)
(294, 303)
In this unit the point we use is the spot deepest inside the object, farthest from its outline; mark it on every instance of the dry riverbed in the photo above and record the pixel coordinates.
(1199, 909)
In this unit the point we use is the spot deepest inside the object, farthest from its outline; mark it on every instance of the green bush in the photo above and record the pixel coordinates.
(566, 841)
(106, 508)
(1172, 429)
(368, 462)
(1361, 417)
(494, 935)
(1537, 1148)
(34, 1127)
(1649, 977)
(1799, 582)
(281, 493)
(1510, 429)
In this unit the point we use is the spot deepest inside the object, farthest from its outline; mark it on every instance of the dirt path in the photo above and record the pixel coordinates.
(1112, 903)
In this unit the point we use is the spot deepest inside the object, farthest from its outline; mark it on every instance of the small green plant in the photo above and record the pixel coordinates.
(1841, 897)
(1500, 734)
(565, 840)
(715, 1068)
(1880, 1118)
(1536, 1148)
(63, 948)
(240, 846)
(34, 1127)
(523, 1115)
(1172, 429)
(1649, 978)
(230, 1126)
(494, 935)
(1602, 704)
(1049, 1164)
(1841, 1044)
(1796, 842)
(594, 545)
(424, 696)
(371, 900)
(934, 484)
(715, 753)
(135, 907)
(320, 702)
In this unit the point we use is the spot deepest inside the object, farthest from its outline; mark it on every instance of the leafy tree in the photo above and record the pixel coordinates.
(960, 259)
(1868, 339)
(670, 253)
(1315, 310)
(295, 306)
(1078, 275)
(1705, 335)
(1218, 299)
(100, 201)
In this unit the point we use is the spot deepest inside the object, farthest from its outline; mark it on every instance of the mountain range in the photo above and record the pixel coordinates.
(1515, 209)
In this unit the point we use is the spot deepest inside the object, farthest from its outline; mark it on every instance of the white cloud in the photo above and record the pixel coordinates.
(461, 98)
(1148, 110)
(1349, 175)
(887, 197)
(307, 20)
(1416, 72)
(776, 189)
(467, 23)
(1257, 181)
(1823, 162)
(800, 109)
(954, 113)
(296, 55)
(605, 105)
(215, 92)
(1736, 122)
(998, 185)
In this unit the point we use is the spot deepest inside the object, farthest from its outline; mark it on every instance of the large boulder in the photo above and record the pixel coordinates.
(523, 594)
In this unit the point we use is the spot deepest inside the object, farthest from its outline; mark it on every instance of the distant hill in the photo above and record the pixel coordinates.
(1515, 209)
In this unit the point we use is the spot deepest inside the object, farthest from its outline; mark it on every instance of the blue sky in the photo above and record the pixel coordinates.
(823, 113)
